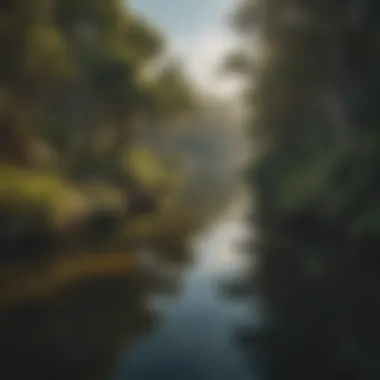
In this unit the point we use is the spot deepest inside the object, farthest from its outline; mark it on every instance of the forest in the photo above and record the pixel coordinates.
(88, 100)
(110, 164)
(312, 86)
(80, 96)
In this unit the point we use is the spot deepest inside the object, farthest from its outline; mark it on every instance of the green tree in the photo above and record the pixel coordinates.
(173, 92)
(73, 83)
(74, 69)
(315, 181)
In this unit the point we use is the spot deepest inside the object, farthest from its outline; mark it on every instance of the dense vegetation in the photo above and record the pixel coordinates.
(77, 87)
(313, 87)
(83, 195)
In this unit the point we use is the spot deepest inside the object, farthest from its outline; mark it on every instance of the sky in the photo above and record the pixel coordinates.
(198, 31)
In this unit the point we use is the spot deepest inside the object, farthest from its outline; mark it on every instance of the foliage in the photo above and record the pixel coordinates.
(150, 169)
(74, 68)
(75, 188)
(173, 92)
(23, 192)
(316, 185)
(73, 81)
(236, 63)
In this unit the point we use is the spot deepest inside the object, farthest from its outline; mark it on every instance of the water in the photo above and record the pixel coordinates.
(93, 316)
(194, 339)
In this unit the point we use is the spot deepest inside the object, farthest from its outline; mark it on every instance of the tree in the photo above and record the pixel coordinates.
(315, 181)
(75, 69)
(174, 93)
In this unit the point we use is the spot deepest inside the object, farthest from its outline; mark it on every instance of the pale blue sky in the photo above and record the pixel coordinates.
(185, 19)
(197, 30)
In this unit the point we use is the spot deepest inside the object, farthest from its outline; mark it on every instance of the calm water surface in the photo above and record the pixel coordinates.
(194, 338)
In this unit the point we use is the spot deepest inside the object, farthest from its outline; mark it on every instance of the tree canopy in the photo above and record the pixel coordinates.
(73, 69)
(314, 114)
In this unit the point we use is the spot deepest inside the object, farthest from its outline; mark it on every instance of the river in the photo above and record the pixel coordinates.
(70, 321)
(194, 339)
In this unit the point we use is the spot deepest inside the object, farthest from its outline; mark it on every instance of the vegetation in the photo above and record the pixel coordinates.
(80, 193)
(74, 95)
(313, 99)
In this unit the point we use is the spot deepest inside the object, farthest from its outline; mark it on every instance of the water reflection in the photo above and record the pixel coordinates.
(143, 321)
(196, 337)
(75, 334)
(72, 317)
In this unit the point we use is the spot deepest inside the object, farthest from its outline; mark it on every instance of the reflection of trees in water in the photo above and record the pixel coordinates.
(75, 334)
(80, 330)
(71, 314)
